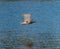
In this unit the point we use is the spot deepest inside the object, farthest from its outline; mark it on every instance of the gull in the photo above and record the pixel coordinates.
(27, 19)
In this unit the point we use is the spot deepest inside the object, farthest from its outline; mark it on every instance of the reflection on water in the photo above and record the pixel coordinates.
(46, 40)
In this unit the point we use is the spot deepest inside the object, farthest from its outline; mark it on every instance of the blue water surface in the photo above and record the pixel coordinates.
(46, 28)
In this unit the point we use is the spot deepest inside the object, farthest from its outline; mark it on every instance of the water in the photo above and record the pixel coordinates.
(45, 33)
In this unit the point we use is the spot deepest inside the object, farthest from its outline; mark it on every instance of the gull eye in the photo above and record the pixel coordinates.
(26, 21)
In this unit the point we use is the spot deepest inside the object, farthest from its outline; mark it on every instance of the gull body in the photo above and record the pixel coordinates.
(27, 19)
